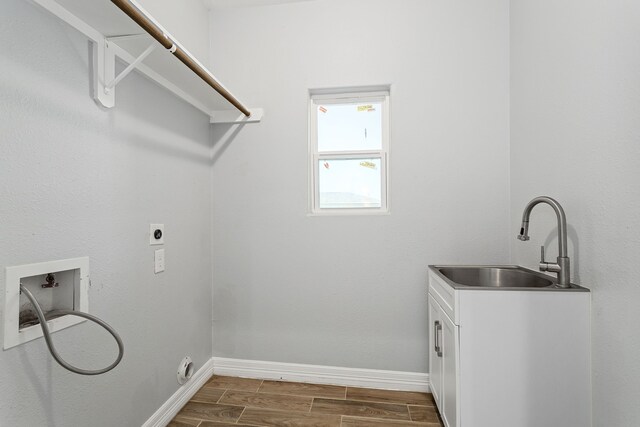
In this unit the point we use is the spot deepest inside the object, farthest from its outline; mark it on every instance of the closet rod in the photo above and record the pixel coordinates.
(155, 32)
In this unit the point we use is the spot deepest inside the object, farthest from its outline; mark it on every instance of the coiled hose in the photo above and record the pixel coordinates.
(49, 341)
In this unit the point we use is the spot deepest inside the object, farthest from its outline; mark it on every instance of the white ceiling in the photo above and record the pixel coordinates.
(245, 3)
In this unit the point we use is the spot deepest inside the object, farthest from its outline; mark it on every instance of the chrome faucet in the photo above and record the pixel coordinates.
(562, 266)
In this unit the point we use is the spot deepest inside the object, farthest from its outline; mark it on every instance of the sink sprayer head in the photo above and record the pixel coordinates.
(524, 231)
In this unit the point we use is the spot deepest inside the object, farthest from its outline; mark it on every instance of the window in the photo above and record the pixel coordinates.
(348, 152)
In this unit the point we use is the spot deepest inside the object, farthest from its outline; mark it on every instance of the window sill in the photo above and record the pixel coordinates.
(350, 212)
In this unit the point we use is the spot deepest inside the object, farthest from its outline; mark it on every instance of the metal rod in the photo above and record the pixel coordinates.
(134, 13)
(130, 68)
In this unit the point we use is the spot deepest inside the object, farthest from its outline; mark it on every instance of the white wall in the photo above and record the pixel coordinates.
(575, 135)
(79, 181)
(351, 291)
(186, 20)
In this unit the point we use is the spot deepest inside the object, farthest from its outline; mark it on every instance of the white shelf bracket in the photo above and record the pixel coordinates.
(132, 66)
(104, 68)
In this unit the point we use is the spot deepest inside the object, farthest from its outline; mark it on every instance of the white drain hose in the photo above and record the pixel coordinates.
(52, 349)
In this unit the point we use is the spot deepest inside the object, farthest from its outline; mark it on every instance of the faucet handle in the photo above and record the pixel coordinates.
(542, 254)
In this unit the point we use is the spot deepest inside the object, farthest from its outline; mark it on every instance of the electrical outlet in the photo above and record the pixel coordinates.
(159, 261)
(156, 234)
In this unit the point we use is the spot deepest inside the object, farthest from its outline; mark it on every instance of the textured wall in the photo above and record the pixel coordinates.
(186, 20)
(79, 181)
(351, 291)
(575, 135)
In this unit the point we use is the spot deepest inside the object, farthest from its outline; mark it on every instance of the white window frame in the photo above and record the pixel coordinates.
(328, 97)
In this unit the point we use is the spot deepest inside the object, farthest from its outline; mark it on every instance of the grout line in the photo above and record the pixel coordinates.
(200, 420)
(290, 395)
(341, 420)
(241, 413)
(375, 402)
(221, 396)
(394, 416)
(280, 393)
(428, 404)
(410, 422)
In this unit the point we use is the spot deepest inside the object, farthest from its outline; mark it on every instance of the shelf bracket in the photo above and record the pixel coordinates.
(103, 67)
(132, 66)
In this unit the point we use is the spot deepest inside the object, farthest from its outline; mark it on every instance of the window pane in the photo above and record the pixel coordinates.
(349, 127)
(350, 183)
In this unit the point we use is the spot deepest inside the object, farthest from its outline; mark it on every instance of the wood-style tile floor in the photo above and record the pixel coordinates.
(230, 401)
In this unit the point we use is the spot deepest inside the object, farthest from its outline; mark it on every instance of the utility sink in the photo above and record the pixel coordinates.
(503, 277)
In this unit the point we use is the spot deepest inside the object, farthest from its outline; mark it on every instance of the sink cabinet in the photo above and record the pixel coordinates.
(509, 358)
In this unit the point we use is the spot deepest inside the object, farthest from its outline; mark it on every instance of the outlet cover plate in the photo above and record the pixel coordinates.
(152, 238)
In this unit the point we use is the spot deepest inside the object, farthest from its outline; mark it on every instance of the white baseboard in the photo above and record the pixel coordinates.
(172, 406)
(370, 378)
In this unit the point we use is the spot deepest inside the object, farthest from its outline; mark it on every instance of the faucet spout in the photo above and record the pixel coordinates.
(563, 265)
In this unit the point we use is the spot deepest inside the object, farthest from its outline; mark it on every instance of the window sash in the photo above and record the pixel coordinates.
(350, 156)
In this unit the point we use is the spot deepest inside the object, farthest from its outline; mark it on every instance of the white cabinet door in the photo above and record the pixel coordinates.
(435, 360)
(443, 357)
(448, 395)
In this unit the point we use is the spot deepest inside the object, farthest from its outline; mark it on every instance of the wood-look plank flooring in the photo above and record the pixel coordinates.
(231, 401)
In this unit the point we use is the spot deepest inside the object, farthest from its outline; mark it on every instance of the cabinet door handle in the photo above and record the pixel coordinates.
(437, 327)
